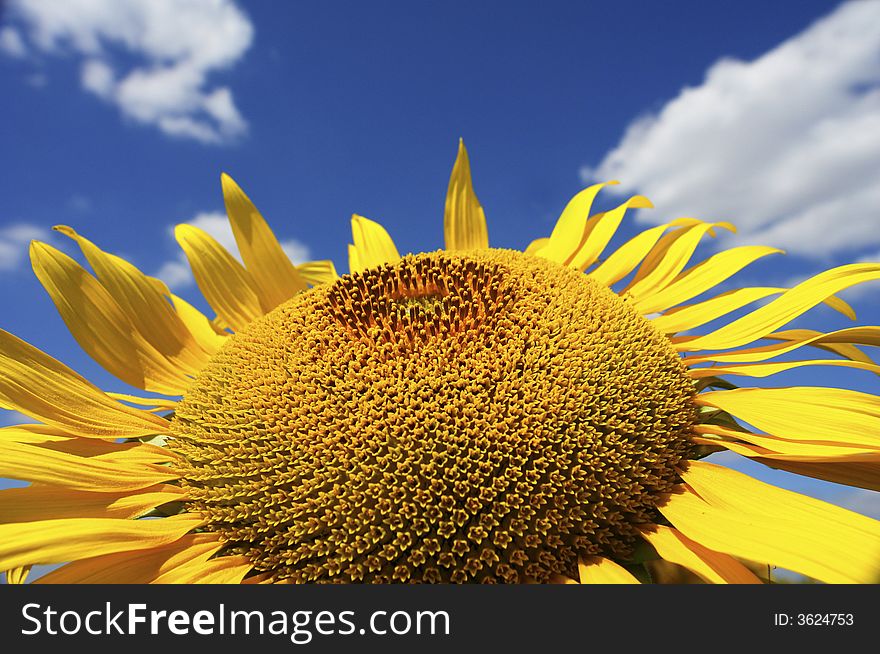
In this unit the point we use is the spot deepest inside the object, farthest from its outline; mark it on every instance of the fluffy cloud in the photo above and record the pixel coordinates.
(786, 146)
(176, 272)
(14, 241)
(175, 44)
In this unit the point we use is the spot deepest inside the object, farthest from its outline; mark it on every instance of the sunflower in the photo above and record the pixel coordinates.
(465, 415)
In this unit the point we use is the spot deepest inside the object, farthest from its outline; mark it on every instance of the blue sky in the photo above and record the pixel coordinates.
(118, 118)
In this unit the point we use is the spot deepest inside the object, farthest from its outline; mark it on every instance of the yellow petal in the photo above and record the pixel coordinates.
(157, 404)
(56, 541)
(768, 444)
(60, 441)
(853, 335)
(137, 567)
(101, 327)
(668, 258)
(849, 473)
(793, 303)
(804, 413)
(18, 575)
(37, 434)
(840, 306)
(843, 349)
(859, 458)
(714, 567)
(464, 224)
(372, 243)
(39, 386)
(125, 453)
(133, 453)
(354, 260)
(861, 470)
(42, 502)
(568, 233)
(226, 285)
(535, 246)
(702, 277)
(684, 318)
(690, 316)
(37, 464)
(275, 277)
(144, 306)
(624, 260)
(767, 369)
(317, 273)
(749, 519)
(198, 325)
(847, 464)
(595, 235)
(219, 570)
(599, 230)
(599, 570)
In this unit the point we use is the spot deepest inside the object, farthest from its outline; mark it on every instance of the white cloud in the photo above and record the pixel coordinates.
(97, 76)
(176, 272)
(11, 43)
(176, 45)
(217, 225)
(786, 146)
(297, 252)
(14, 242)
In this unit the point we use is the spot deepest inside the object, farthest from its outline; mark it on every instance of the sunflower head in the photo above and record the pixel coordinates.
(469, 414)
(484, 416)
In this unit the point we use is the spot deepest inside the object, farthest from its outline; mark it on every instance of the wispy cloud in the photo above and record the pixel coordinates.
(11, 43)
(786, 146)
(176, 272)
(175, 44)
(14, 242)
